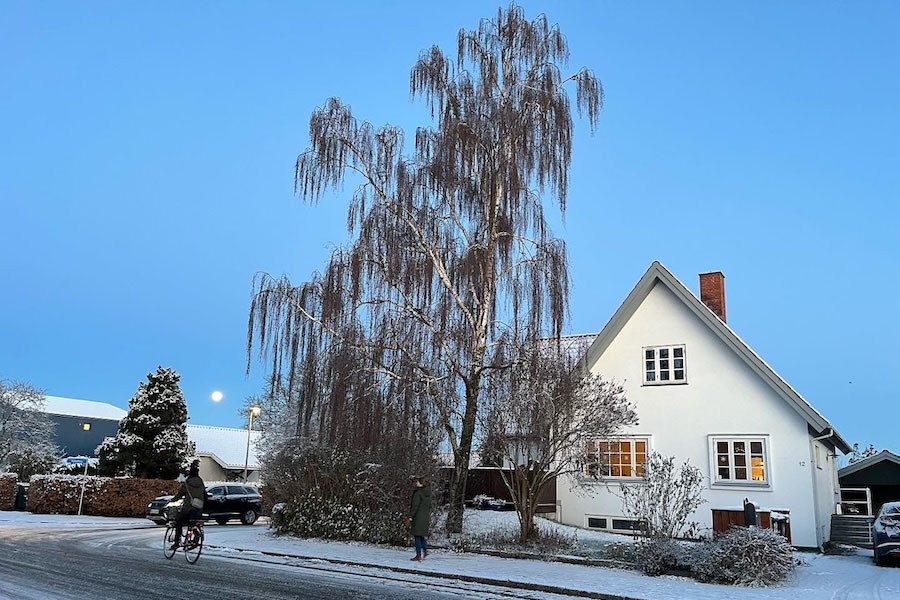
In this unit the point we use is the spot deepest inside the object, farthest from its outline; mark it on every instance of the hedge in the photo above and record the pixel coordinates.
(103, 496)
(8, 491)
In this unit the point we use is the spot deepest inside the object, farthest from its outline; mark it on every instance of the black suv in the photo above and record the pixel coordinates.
(223, 503)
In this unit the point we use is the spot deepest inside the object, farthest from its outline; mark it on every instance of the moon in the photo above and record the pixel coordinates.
(216, 396)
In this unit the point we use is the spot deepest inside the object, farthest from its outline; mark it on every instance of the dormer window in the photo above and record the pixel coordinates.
(664, 364)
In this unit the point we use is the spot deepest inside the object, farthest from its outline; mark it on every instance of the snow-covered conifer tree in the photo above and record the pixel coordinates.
(152, 439)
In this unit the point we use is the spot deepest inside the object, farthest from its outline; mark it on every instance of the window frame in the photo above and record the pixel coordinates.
(609, 520)
(656, 359)
(747, 439)
(633, 453)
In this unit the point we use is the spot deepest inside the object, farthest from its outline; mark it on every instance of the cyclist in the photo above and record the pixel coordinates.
(193, 497)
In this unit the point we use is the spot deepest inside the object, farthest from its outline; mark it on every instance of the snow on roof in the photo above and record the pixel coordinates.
(70, 407)
(226, 445)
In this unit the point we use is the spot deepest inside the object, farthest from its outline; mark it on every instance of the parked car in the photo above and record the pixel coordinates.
(224, 502)
(886, 532)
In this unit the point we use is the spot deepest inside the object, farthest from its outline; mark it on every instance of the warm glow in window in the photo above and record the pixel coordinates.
(617, 458)
(740, 460)
(86, 426)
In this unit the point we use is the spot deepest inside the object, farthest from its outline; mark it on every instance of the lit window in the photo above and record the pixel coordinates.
(86, 426)
(621, 457)
(665, 364)
(740, 460)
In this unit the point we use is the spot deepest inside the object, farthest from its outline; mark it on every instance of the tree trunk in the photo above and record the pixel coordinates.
(461, 457)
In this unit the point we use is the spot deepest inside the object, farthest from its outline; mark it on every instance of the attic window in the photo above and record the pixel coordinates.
(664, 365)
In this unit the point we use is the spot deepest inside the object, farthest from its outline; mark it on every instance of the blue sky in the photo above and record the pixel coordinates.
(146, 158)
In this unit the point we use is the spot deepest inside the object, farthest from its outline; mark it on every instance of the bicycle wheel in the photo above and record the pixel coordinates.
(194, 546)
(168, 541)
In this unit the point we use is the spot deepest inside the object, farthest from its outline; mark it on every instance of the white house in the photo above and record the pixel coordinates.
(223, 451)
(703, 395)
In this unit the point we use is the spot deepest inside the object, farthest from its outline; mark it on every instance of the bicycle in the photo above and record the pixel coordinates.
(191, 543)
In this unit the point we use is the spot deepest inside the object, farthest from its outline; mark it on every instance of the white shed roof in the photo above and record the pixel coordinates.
(226, 445)
(70, 407)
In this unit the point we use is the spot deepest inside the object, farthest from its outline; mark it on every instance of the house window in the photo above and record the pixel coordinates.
(740, 460)
(86, 426)
(621, 457)
(596, 523)
(664, 364)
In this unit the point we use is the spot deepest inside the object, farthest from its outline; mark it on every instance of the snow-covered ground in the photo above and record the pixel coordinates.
(836, 577)
(26, 519)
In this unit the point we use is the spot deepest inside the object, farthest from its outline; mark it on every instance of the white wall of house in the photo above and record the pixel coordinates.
(722, 396)
(827, 487)
(210, 470)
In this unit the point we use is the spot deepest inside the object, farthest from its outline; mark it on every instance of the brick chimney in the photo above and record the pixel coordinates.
(712, 292)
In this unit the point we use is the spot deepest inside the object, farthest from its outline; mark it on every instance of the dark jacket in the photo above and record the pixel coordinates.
(192, 487)
(420, 511)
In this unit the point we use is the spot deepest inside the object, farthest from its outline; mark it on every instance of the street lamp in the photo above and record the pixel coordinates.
(254, 410)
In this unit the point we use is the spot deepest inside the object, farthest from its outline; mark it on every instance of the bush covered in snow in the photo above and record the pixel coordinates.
(748, 556)
(103, 496)
(8, 490)
(317, 517)
(658, 556)
(545, 541)
(337, 494)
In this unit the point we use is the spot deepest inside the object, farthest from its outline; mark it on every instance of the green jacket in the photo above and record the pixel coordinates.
(420, 511)
(192, 487)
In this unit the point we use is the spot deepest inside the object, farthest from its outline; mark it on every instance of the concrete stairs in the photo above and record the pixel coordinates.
(856, 531)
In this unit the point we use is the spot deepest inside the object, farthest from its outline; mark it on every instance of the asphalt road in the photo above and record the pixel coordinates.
(63, 564)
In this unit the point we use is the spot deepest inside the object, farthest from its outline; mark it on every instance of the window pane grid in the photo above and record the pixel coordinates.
(740, 460)
(664, 364)
(616, 457)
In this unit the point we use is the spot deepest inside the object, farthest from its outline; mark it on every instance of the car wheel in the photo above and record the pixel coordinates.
(221, 521)
(249, 517)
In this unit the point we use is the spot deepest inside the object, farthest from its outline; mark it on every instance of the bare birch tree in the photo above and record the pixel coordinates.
(451, 252)
(543, 414)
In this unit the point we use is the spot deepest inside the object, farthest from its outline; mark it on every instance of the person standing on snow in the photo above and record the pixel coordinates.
(418, 520)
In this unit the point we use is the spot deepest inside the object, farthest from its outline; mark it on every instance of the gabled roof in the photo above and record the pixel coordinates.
(225, 445)
(70, 407)
(657, 273)
(869, 461)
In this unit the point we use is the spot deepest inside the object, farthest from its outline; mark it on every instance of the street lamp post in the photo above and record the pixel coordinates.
(253, 411)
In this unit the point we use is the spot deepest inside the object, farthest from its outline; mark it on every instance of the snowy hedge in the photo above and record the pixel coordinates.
(8, 490)
(748, 556)
(103, 496)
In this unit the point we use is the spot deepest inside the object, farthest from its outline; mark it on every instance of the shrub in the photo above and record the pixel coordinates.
(337, 494)
(546, 541)
(8, 490)
(59, 494)
(314, 516)
(748, 556)
(658, 556)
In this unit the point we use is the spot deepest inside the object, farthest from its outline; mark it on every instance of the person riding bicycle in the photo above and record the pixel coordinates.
(193, 497)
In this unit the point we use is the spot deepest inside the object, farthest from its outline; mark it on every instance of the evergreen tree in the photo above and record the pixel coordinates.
(152, 439)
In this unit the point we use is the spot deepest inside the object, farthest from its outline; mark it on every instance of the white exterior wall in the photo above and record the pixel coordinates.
(827, 486)
(722, 396)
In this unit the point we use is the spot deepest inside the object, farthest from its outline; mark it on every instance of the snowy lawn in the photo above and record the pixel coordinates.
(853, 576)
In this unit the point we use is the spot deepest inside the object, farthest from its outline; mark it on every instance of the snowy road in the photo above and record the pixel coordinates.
(112, 564)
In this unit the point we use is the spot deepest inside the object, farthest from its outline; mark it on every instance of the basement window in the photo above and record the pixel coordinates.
(664, 365)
